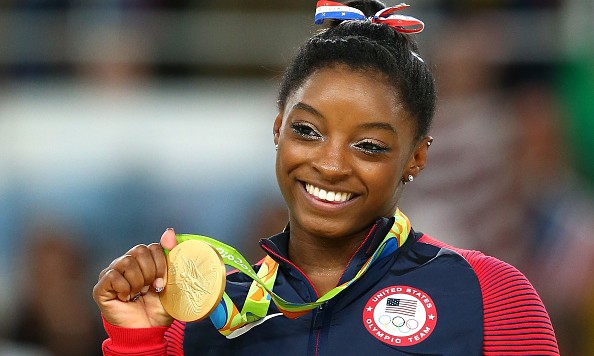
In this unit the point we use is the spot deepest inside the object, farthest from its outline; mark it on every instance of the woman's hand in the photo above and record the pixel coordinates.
(127, 290)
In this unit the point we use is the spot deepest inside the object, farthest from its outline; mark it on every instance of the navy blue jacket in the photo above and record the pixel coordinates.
(426, 298)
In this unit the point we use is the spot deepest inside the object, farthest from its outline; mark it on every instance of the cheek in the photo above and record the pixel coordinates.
(382, 178)
(292, 154)
(289, 158)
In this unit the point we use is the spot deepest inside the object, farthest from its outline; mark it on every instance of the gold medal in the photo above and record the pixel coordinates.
(195, 281)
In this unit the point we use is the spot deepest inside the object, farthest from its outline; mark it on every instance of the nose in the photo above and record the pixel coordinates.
(332, 161)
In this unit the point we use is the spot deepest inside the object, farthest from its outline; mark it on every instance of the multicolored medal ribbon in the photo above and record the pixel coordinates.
(227, 318)
(331, 10)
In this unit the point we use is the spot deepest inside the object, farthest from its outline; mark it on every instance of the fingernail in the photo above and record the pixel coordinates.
(168, 239)
(144, 289)
(159, 285)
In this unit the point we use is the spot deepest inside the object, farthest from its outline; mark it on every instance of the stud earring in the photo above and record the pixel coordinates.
(408, 179)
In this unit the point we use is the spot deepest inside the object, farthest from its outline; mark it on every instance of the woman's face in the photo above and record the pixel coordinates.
(344, 144)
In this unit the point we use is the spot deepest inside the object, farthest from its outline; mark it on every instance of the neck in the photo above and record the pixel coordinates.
(323, 259)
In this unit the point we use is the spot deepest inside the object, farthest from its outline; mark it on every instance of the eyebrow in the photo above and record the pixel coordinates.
(367, 125)
(378, 125)
(302, 106)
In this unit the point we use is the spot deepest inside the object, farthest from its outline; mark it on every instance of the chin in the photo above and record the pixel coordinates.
(327, 227)
(327, 233)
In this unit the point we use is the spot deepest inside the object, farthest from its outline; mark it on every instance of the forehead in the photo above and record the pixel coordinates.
(340, 90)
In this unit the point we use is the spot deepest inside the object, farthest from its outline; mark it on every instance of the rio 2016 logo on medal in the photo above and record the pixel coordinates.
(400, 315)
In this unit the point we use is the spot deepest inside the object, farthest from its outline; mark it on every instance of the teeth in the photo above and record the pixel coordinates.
(322, 194)
(327, 195)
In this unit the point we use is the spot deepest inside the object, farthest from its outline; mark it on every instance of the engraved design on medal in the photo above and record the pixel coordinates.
(195, 281)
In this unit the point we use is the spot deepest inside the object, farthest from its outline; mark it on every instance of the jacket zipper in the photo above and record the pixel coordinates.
(319, 317)
(318, 322)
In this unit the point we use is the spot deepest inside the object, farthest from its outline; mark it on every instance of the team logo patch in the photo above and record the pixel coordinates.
(400, 315)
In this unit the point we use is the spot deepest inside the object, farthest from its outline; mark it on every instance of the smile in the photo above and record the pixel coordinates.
(327, 195)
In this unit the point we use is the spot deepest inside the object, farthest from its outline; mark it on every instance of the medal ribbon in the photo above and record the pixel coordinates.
(227, 318)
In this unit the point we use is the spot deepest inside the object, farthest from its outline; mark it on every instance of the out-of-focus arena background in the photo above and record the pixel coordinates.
(119, 118)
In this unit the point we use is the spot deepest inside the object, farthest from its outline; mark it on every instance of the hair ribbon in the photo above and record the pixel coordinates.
(331, 10)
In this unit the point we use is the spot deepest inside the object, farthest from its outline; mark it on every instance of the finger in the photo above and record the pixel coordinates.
(160, 266)
(111, 286)
(129, 268)
(168, 240)
(144, 258)
(103, 272)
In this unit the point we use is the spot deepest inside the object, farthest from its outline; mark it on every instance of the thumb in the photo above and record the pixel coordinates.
(168, 240)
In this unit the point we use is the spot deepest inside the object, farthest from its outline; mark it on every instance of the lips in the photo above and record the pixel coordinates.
(327, 195)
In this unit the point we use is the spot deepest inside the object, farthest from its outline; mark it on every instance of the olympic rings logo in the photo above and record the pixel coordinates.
(398, 322)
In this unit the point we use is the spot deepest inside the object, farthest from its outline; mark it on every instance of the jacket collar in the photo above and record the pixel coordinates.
(277, 247)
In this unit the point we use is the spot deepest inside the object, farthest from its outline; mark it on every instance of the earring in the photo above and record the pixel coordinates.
(276, 147)
(408, 179)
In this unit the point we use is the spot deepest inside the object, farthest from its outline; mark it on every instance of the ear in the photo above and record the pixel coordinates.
(417, 162)
(277, 126)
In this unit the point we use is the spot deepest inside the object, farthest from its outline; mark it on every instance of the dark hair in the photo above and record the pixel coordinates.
(367, 46)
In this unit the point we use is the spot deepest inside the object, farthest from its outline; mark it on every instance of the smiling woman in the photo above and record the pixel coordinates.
(348, 275)
(342, 133)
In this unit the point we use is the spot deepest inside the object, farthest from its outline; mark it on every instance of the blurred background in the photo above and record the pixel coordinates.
(120, 118)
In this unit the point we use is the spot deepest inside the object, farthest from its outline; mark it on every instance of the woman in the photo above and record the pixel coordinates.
(354, 113)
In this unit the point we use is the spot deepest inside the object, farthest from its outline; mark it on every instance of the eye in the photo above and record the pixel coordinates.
(371, 147)
(306, 130)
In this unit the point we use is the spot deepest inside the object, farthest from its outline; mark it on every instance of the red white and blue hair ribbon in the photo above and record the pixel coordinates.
(331, 10)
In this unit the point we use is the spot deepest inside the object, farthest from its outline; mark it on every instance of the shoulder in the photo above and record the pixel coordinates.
(493, 274)
(515, 318)
(489, 270)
